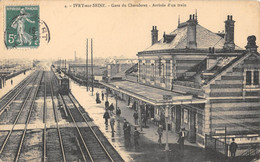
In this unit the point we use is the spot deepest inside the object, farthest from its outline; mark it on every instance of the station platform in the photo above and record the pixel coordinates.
(149, 149)
(16, 80)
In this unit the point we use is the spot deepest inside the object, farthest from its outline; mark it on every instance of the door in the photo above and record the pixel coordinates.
(192, 133)
(178, 118)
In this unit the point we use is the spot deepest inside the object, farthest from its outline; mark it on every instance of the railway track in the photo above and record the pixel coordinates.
(12, 94)
(45, 125)
(10, 148)
(64, 134)
(93, 143)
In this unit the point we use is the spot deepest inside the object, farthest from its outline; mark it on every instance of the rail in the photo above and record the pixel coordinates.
(27, 121)
(90, 128)
(44, 121)
(16, 118)
(57, 124)
(16, 93)
(81, 137)
(15, 88)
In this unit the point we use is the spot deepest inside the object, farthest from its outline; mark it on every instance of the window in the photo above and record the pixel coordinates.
(153, 72)
(252, 78)
(256, 77)
(163, 70)
(143, 71)
(160, 66)
(186, 116)
(248, 78)
(163, 74)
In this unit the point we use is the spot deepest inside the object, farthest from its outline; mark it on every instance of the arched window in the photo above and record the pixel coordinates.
(153, 72)
(143, 71)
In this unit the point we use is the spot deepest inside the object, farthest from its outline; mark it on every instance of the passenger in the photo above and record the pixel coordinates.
(118, 113)
(106, 117)
(112, 123)
(97, 98)
(160, 132)
(111, 107)
(181, 139)
(125, 127)
(102, 96)
(136, 137)
(233, 148)
(135, 115)
(11, 81)
(128, 134)
(144, 119)
(106, 104)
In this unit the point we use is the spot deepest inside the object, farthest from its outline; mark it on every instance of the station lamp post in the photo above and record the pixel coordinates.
(106, 94)
(166, 122)
(167, 99)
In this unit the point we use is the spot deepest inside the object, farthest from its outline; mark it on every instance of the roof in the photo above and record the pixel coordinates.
(219, 70)
(222, 64)
(123, 69)
(204, 39)
(152, 95)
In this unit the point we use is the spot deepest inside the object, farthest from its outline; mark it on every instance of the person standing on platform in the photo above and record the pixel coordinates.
(233, 148)
(106, 105)
(102, 95)
(181, 139)
(128, 134)
(97, 98)
(144, 119)
(11, 81)
(112, 123)
(136, 137)
(160, 132)
(111, 108)
(106, 117)
(118, 113)
(135, 115)
(125, 127)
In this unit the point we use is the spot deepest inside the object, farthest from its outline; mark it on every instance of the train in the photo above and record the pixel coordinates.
(62, 80)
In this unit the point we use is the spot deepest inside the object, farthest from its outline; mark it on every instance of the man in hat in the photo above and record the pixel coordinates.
(233, 148)
(160, 132)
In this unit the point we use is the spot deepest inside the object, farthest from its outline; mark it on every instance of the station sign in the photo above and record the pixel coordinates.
(220, 131)
(167, 97)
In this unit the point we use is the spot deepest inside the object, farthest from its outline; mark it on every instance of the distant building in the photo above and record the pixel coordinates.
(117, 67)
(123, 61)
(117, 71)
(79, 70)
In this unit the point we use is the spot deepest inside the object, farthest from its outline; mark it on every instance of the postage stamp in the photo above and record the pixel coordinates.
(22, 27)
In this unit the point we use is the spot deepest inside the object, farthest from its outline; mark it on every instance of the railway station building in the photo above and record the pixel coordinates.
(198, 80)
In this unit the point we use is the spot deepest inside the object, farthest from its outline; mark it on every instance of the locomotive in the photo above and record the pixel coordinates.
(62, 80)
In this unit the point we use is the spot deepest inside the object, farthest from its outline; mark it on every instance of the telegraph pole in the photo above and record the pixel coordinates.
(87, 63)
(92, 66)
(65, 66)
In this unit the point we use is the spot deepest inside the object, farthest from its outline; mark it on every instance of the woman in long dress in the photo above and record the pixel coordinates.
(19, 23)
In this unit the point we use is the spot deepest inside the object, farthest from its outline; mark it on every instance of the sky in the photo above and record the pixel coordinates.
(124, 31)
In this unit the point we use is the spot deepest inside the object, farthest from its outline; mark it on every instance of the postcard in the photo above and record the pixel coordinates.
(129, 80)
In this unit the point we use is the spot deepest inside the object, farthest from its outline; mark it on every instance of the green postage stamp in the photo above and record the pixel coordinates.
(22, 27)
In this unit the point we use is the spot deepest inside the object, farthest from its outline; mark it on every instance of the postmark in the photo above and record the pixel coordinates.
(22, 27)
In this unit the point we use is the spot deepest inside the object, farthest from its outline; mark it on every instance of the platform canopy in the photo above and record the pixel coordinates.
(152, 95)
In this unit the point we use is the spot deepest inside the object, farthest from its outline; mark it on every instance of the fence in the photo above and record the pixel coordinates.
(216, 145)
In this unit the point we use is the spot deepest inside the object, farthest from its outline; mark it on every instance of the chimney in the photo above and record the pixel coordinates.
(251, 45)
(229, 33)
(154, 35)
(191, 33)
